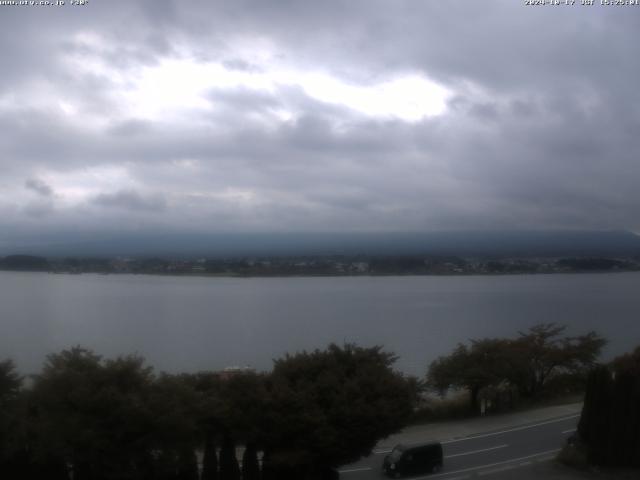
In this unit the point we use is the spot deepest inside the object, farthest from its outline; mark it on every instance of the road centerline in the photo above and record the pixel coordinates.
(480, 467)
(352, 470)
(381, 452)
(516, 429)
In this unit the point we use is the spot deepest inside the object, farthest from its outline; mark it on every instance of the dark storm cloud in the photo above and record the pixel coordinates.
(131, 200)
(38, 186)
(539, 131)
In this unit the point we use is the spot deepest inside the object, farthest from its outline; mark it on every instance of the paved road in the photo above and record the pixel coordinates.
(485, 453)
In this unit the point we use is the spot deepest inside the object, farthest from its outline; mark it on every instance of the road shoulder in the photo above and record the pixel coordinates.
(554, 470)
(446, 431)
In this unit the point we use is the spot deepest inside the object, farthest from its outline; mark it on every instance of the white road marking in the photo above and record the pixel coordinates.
(476, 451)
(470, 469)
(351, 470)
(516, 429)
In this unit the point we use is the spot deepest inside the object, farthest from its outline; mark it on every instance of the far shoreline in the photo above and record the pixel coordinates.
(327, 275)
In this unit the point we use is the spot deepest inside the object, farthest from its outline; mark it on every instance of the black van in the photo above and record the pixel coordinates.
(410, 460)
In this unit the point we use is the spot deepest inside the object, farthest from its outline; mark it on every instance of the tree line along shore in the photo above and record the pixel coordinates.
(338, 265)
(84, 417)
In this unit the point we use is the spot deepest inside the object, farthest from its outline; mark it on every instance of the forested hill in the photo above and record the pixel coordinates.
(28, 263)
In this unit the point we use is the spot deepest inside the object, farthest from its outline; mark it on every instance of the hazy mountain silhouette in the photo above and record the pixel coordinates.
(468, 243)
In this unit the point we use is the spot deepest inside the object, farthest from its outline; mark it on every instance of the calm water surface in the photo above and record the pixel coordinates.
(188, 324)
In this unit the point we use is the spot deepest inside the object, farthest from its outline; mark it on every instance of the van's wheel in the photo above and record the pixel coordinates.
(436, 468)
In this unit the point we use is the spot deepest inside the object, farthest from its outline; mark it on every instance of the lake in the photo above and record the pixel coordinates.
(198, 323)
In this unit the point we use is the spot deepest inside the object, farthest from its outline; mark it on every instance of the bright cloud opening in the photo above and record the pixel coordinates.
(176, 85)
(410, 97)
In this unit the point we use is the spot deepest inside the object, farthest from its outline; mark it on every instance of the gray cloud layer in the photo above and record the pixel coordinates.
(540, 128)
(38, 186)
(130, 200)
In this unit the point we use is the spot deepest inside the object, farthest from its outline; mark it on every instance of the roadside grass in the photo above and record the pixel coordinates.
(455, 406)
(557, 471)
(574, 455)
(435, 409)
(561, 471)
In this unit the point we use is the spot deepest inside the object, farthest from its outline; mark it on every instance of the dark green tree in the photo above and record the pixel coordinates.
(166, 465)
(209, 412)
(10, 381)
(594, 423)
(93, 414)
(628, 363)
(484, 363)
(209, 459)
(250, 464)
(610, 420)
(327, 408)
(174, 404)
(243, 400)
(229, 469)
(233, 406)
(268, 470)
(541, 352)
(12, 453)
(526, 363)
(187, 464)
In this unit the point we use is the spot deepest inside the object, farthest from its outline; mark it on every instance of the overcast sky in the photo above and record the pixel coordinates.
(303, 116)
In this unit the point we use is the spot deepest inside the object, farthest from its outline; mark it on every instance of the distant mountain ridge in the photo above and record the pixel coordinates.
(468, 244)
